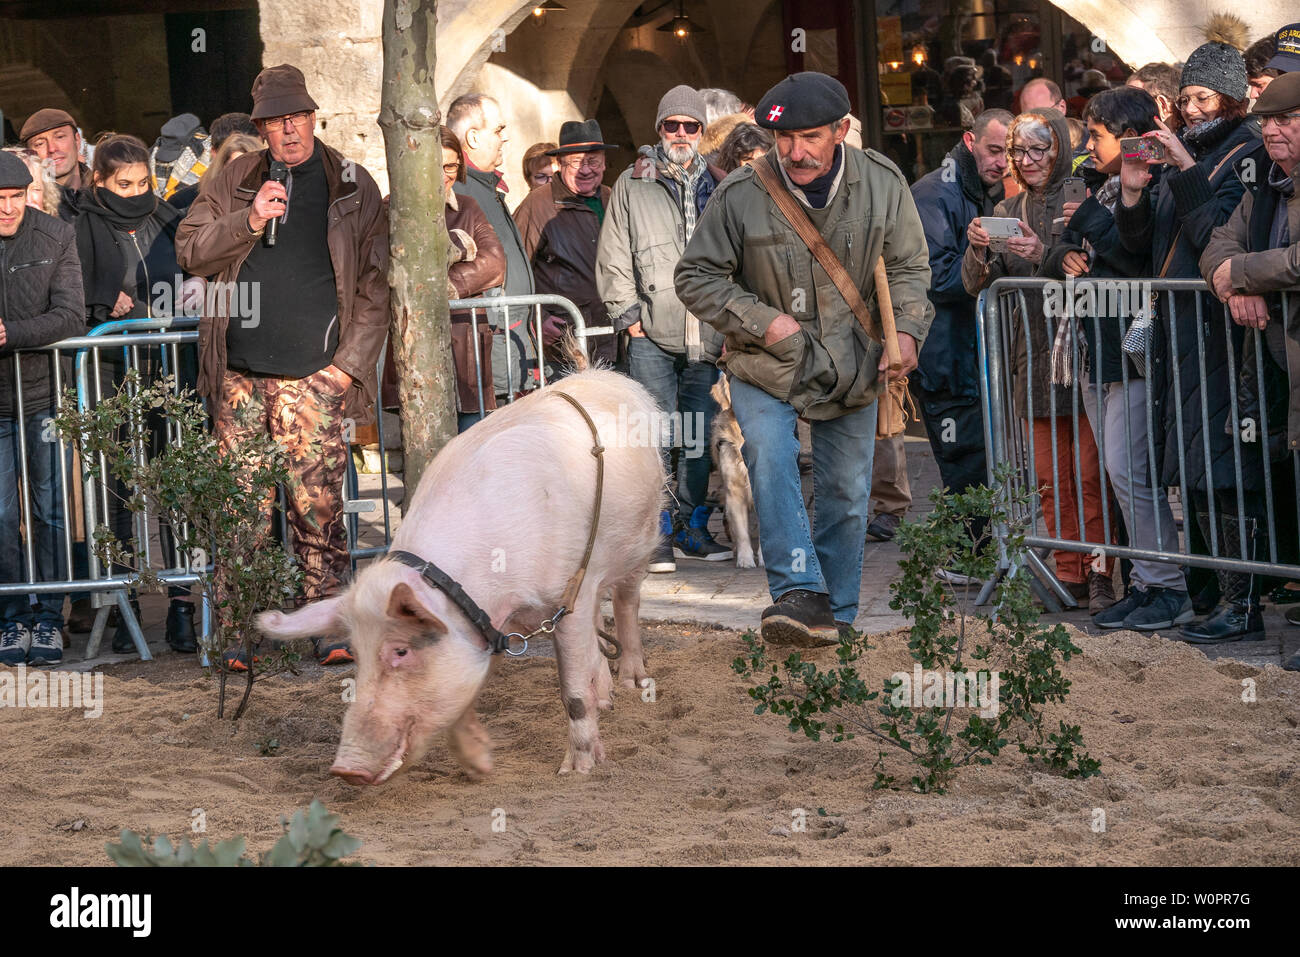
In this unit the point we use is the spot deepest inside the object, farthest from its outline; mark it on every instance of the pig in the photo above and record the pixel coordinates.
(505, 510)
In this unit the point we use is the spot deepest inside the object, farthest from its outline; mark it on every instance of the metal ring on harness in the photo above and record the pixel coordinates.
(498, 642)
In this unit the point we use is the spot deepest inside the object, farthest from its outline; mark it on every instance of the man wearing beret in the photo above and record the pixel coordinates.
(40, 303)
(795, 348)
(303, 362)
(1255, 257)
(54, 136)
(652, 213)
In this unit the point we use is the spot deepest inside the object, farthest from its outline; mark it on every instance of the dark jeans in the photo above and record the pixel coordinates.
(955, 427)
(46, 526)
(681, 388)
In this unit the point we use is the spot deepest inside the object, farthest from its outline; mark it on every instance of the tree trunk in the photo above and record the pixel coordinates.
(421, 331)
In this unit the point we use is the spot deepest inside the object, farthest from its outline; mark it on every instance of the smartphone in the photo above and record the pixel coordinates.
(1075, 190)
(1000, 229)
(1142, 148)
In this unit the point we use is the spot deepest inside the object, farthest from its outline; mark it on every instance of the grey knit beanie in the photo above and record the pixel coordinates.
(1217, 67)
(682, 101)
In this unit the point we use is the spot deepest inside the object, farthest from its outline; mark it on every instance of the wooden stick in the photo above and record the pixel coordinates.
(887, 327)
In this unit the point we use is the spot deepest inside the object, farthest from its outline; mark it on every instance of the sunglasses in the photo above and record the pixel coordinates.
(689, 127)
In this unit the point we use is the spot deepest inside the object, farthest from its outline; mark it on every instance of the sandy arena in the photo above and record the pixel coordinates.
(1190, 773)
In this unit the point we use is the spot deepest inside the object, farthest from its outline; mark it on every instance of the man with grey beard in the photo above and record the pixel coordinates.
(652, 213)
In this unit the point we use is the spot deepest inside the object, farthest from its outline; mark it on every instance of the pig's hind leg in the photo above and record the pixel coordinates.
(627, 628)
(579, 660)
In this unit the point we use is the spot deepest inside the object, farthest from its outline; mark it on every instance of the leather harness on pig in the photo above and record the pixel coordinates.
(496, 640)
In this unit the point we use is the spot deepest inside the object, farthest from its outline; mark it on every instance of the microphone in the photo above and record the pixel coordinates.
(279, 173)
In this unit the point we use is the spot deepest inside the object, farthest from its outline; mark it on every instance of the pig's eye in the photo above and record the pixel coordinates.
(401, 652)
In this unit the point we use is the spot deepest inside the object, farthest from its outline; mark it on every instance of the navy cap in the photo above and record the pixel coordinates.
(803, 101)
(1287, 57)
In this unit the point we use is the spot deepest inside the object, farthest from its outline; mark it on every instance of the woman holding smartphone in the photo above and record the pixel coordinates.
(1039, 157)
(1210, 152)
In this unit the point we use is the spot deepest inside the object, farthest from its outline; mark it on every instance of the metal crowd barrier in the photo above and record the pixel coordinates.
(1194, 326)
(498, 308)
(138, 340)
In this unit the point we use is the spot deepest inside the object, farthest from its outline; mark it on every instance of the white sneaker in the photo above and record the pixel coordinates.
(15, 640)
(954, 577)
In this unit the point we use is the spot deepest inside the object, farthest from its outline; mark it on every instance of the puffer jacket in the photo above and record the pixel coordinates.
(640, 243)
(560, 234)
(480, 265)
(1180, 213)
(745, 265)
(1260, 268)
(949, 363)
(1038, 208)
(40, 303)
(214, 240)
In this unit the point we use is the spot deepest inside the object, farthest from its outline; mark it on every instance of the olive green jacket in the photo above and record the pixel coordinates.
(745, 265)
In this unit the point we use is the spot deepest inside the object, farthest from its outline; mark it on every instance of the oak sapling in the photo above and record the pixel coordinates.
(212, 504)
(964, 536)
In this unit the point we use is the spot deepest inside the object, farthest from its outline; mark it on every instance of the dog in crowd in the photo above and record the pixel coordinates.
(737, 496)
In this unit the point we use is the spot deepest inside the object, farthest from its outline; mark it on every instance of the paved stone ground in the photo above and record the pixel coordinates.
(718, 593)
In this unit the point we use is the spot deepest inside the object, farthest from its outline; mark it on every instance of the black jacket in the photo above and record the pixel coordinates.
(152, 249)
(1108, 260)
(1189, 204)
(40, 303)
(947, 202)
(481, 187)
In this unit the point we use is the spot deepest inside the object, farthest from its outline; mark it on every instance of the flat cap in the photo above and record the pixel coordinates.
(14, 173)
(803, 101)
(1282, 95)
(1287, 57)
(43, 121)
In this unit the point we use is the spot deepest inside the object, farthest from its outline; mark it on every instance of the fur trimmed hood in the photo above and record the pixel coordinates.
(716, 133)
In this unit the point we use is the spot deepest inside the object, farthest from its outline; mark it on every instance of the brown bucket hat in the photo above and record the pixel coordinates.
(279, 91)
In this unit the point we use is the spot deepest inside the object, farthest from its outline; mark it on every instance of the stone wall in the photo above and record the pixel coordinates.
(556, 71)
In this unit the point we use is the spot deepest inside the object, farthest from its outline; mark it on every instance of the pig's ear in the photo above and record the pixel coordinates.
(405, 606)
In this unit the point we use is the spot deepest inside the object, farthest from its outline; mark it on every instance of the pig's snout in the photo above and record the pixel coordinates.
(356, 776)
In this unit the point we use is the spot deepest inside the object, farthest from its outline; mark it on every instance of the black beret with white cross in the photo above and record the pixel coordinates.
(803, 101)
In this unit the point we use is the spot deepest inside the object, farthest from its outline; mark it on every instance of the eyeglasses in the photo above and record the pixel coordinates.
(596, 161)
(1035, 153)
(689, 127)
(451, 169)
(277, 123)
(1283, 120)
(1200, 98)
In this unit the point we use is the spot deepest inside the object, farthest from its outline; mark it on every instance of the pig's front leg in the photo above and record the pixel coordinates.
(627, 628)
(469, 742)
(578, 659)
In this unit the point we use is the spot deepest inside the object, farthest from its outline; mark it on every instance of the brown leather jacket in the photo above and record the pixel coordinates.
(214, 240)
(484, 268)
(560, 233)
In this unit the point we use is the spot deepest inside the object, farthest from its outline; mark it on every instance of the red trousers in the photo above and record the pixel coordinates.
(1064, 486)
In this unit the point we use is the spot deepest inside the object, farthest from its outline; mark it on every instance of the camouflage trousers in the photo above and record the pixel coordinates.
(306, 417)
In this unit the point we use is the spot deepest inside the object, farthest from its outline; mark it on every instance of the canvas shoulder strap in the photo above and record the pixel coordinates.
(798, 219)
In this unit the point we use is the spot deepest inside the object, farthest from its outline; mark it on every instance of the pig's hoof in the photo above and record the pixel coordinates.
(631, 673)
(473, 749)
(585, 760)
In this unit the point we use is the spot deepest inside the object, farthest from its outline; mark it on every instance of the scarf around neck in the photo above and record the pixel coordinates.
(102, 216)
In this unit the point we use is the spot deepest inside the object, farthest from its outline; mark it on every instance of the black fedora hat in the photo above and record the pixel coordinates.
(580, 136)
